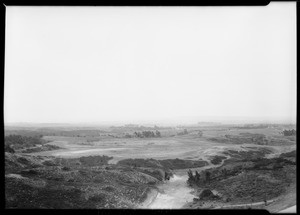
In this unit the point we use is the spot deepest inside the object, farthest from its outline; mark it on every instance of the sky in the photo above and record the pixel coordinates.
(133, 64)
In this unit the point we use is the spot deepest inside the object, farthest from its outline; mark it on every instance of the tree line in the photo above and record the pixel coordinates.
(198, 178)
(144, 134)
(18, 142)
(206, 176)
(289, 132)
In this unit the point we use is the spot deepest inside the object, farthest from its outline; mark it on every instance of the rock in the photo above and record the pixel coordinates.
(206, 194)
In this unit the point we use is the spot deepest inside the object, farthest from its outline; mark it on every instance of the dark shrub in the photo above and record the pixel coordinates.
(8, 149)
(109, 189)
(206, 194)
(217, 159)
(65, 168)
(23, 160)
(98, 198)
(289, 132)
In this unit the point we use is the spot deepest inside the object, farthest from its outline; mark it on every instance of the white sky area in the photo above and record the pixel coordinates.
(133, 64)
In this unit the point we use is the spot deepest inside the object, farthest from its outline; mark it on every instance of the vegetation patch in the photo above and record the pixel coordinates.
(97, 160)
(41, 148)
(183, 164)
(168, 164)
(242, 138)
(247, 180)
(217, 159)
(59, 183)
(20, 142)
(289, 132)
(251, 153)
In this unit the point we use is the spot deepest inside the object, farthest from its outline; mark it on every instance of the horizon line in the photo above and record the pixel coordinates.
(156, 122)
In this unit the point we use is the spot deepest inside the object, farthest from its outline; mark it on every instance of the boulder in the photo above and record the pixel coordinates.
(206, 194)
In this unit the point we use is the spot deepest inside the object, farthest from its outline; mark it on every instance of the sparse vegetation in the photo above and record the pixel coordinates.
(248, 179)
(29, 185)
(168, 164)
(102, 167)
(20, 142)
(47, 147)
(217, 159)
(242, 138)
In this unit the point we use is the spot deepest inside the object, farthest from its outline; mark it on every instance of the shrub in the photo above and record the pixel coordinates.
(66, 168)
(217, 159)
(49, 163)
(109, 189)
(289, 132)
(206, 194)
(8, 149)
(19, 141)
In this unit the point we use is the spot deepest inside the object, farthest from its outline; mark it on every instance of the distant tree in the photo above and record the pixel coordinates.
(152, 134)
(191, 179)
(157, 133)
(183, 132)
(289, 132)
(128, 136)
(200, 133)
(207, 176)
(138, 134)
(20, 141)
(146, 133)
(197, 177)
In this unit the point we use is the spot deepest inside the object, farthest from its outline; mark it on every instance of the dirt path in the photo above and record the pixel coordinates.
(173, 194)
(288, 199)
(246, 204)
(152, 195)
(289, 210)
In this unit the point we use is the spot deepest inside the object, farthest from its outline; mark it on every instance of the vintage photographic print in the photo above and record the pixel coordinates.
(161, 107)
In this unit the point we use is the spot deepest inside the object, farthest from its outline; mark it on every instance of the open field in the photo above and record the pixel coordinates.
(189, 146)
(162, 148)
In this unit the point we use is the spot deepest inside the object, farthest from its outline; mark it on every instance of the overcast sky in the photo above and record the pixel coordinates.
(99, 64)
